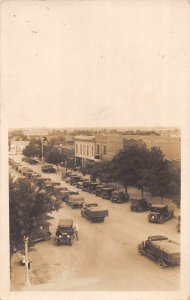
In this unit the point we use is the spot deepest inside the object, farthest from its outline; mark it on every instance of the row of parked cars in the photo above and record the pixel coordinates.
(159, 213)
(159, 248)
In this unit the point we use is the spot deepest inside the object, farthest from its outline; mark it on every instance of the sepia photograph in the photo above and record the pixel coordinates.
(94, 160)
(88, 205)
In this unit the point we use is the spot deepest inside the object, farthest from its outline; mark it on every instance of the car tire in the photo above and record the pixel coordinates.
(141, 251)
(47, 237)
(162, 263)
(162, 220)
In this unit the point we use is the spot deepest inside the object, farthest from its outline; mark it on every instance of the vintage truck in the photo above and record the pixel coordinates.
(139, 204)
(94, 213)
(107, 193)
(65, 195)
(65, 232)
(48, 169)
(98, 191)
(162, 250)
(159, 213)
(119, 197)
(74, 180)
(75, 201)
(92, 187)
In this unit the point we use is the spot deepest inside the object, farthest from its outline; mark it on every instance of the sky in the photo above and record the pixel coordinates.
(95, 63)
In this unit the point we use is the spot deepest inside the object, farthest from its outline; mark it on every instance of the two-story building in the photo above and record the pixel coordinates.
(90, 149)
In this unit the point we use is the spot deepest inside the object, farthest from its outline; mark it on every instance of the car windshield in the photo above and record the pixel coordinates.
(157, 209)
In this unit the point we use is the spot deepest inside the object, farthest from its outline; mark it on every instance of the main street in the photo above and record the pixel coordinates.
(105, 257)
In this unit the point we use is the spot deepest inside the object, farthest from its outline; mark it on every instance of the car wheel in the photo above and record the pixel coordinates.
(71, 242)
(141, 251)
(47, 237)
(162, 263)
(162, 220)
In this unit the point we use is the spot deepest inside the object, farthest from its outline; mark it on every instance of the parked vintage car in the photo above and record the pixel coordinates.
(94, 213)
(74, 179)
(119, 197)
(92, 187)
(107, 192)
(41, 181)
(41, 233)
(48, 169)
(65, 232)
(86, 185)
(24, 170)
(75, 201)
(32, 161)
(98, 191)
(65, 194)
(159, 213)
(162, 250)
(139, 204)
(79, 184)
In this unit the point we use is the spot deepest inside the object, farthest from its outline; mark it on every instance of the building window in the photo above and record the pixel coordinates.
(98, 149)
(87, 150)
(83, 149)
(80, 148)
(104, 150)
(76, 149)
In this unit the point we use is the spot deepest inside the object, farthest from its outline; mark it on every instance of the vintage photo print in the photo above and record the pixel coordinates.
(95, 149)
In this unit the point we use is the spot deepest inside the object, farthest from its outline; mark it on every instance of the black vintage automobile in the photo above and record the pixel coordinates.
(64, 195)
(94, 213)
(107, 192)
(162, 250)
(85, 185)
(41, 233)
(48, 169)
(98, 191)
(139, 204)
(159, 213)
(74, 179)
(92, 187)
(79, 184)
(65, 232)
(119, 197)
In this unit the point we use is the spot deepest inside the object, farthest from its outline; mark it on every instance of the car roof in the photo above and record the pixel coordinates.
(137, 199)
(108, 189)
(167, 246)
(65, 222)
(158, 205)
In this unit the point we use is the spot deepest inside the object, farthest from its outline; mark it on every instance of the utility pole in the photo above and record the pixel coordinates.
(27, 280)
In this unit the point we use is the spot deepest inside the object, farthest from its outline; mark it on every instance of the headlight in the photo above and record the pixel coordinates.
(68, 236)
(59, 236)
(152, 217)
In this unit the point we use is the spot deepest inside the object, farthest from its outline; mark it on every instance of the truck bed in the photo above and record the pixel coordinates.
(97, 211)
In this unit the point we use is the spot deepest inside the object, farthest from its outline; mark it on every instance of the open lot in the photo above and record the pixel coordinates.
(105, 257)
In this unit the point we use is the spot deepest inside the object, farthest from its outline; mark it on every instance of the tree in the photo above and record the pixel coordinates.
(55, 156)
(102, 171)
(27, 206)
(128, 166)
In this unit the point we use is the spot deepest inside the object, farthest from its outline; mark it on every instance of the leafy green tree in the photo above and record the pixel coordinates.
(102, 171)
(55, 156)
(34, 148)
(27, 206)
(128, 166)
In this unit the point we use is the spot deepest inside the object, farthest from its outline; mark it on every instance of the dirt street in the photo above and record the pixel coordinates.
(105, 257)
